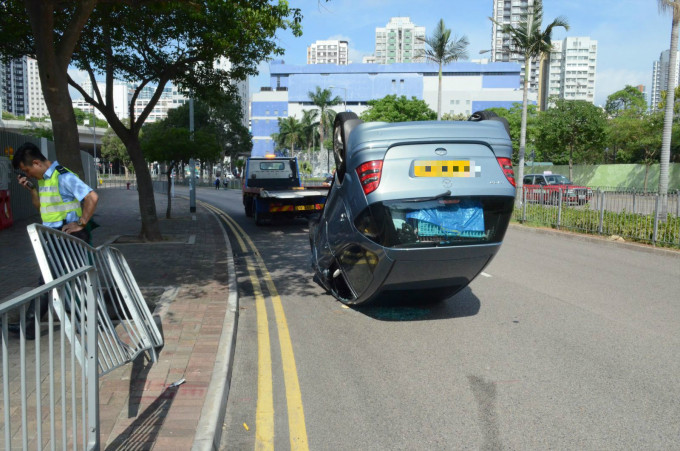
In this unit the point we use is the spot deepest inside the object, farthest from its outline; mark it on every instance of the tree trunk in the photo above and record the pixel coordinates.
(53, 61)
(439, 94)
(519, 180)
(668, 116)
(147, 203)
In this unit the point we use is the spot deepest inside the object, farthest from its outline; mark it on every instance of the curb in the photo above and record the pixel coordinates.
(209, 429)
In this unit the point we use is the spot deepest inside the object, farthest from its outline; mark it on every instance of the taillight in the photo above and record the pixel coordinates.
(506, 167)
(369, 175)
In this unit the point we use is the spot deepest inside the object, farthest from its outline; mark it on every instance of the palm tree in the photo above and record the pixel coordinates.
(309, 128)
(323, 100)
(443, 50)
(674, 6)
(290, 132)
(529, 40)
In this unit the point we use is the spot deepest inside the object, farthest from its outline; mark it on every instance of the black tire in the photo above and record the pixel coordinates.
(248, 204)
(342, 126)
(485, 115)
(259, 217)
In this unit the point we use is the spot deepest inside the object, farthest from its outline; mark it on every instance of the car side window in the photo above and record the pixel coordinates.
(540, 180)
(528, 180)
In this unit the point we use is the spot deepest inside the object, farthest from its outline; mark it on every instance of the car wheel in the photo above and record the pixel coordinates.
(486, 115)
(342, 126)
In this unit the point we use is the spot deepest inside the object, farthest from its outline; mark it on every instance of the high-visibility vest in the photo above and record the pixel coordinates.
(52, 206)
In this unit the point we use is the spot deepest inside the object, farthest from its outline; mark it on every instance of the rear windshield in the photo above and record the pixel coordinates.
(446, 221)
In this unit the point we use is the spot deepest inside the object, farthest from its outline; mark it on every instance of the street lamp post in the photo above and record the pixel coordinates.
(344, 98)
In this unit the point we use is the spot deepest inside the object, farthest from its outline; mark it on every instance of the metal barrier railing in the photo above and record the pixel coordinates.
(645, 217)
(54, 394)
(117, 295)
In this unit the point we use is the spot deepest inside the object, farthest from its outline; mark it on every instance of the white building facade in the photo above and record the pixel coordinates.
(571, 69)
(509, 12)
(36, 100)
(466, 87)
(328, 52)
(660, 80)
(400, 41)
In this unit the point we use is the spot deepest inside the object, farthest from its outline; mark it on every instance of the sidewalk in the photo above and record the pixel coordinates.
(187, 278)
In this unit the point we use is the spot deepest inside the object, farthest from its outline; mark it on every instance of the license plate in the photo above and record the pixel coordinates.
(445, 168)
(581, 196)
(305, 207)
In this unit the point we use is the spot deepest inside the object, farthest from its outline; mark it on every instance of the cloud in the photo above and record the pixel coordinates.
(609, 81)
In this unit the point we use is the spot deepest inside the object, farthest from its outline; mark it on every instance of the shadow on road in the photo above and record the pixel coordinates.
(413, 308)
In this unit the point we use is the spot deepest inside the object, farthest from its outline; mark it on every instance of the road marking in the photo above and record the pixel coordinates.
(485, 274)
(264, 428)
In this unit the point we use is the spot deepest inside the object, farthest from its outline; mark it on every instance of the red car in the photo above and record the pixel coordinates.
(545, 188)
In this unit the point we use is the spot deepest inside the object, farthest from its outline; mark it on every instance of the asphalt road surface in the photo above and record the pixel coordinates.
(562, 343)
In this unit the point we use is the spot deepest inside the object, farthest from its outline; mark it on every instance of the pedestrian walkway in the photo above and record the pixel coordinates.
(186, 279)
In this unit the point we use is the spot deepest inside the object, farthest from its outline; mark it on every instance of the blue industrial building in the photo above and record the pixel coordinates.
(466, 87)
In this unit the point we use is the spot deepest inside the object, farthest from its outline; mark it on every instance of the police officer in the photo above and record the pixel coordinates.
(65, 202)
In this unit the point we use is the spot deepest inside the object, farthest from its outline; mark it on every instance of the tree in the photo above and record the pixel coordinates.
(112, 148)
(514, 117)
(443, 50)
(398, 109)
(170, 139)
(573, 131)
(323, 99)
(291, 132)
(530, 41)
(149, 43)
(628, 98)
(676, 107)
(49, 31)
(674, 6)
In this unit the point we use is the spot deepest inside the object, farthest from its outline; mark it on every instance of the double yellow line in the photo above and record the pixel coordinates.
(264, 414)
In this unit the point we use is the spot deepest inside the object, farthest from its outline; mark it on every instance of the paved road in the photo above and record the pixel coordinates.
(563, 343)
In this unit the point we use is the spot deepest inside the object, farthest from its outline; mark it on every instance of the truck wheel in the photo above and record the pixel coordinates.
(248, 204)
(259, 216)
(342, 126)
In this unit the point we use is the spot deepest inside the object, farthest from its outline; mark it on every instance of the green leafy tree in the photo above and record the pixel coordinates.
(291, 133)
(170, 140)
(442, 49)
(150, 43)
(454, 117)
(309, 129)
(531, 42)
(573, 131)
(113, 149)
(514, 117)
(323, 99)
(628, 98)
(676, 107)
(398, 109)
(674, 7)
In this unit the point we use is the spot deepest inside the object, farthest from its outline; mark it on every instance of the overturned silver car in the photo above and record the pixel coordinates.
(415, 207)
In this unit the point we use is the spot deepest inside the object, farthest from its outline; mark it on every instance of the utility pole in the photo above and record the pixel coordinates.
(192, 164)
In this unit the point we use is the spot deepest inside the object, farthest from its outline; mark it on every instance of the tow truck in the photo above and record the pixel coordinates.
(272, 188)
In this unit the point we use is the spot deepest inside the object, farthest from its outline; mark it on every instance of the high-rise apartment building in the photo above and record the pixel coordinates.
(571, 70)
(400, 41)
(509, 12)
(36, 100)
(328, 52)
(14, 86)
(660, 77)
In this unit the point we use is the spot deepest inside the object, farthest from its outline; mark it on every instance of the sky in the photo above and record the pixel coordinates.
(631, 34)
